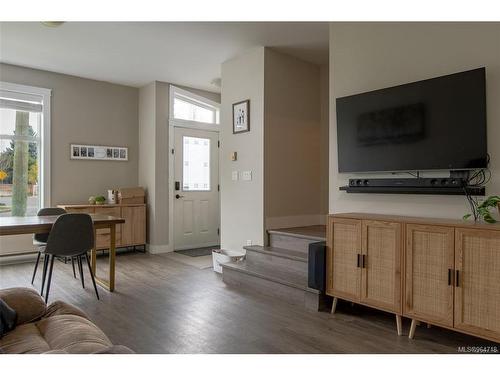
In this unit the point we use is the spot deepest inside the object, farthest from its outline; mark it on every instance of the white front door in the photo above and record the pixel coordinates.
(196, 190)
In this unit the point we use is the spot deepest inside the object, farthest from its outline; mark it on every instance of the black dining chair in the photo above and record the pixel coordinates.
(72, 235)
(40, 240)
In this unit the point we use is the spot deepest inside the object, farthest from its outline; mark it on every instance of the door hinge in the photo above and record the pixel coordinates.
(218, 143)
(218, 187)
(173, 151)
(218, 231)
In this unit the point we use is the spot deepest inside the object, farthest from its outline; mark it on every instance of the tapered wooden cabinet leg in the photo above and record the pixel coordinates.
(413, 327)
(399, 325)
(334, 305)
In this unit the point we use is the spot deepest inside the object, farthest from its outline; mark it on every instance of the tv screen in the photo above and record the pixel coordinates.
(435, 124)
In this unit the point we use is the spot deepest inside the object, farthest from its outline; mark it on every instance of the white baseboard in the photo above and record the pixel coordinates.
(197, 246)
(278, 222)
(18, 258)
(158, 249)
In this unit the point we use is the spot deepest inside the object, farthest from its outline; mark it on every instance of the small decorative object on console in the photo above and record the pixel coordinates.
(100, 200)
(131, 195)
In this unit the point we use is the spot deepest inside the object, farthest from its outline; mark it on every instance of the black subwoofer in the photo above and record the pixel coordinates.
(317, 266)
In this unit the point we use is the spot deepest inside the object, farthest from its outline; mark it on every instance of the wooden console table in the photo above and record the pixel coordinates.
(131, 233)
(43, 224)
(437, 271)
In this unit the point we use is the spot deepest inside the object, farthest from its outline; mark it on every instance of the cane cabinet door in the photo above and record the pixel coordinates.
(429, 265)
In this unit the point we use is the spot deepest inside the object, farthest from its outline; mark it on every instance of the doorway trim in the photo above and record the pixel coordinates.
(173, 123)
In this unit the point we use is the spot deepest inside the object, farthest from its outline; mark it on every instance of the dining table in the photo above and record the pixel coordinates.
(17, 225)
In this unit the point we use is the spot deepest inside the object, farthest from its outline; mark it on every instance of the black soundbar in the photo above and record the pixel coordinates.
(441, 182)
(434, 190)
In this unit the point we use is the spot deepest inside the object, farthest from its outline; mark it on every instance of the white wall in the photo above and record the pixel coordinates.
(242, 202)
(368, 56)
(147, 149)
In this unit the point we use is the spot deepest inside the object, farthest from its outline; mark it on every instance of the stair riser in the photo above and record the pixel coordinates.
(269, 288)
(299, 267)
(290, 242)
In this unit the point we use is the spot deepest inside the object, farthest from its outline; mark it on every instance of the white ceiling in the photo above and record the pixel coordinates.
(136, 53)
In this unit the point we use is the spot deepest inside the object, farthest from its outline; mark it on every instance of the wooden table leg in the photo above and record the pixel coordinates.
(112, 258)
(110, 283)
(413, 327)
(93, 254)
(399, 325)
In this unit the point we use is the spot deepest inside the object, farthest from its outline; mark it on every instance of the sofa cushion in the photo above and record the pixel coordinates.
(26, 302)
(73, 334)
(63, 308)
(62, 333)
(25, 339)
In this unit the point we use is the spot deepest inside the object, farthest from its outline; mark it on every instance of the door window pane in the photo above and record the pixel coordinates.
(196, 167)
(19, 163)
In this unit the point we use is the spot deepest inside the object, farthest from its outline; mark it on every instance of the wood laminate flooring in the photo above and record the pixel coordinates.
(163, 306)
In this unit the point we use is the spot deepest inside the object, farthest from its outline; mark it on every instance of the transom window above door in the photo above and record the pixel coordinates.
(190, 107)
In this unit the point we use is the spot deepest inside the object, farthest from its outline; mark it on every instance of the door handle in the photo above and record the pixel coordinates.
(450, 276)
(177, 196)
(358, 260)
(457, 282)
(363, 261)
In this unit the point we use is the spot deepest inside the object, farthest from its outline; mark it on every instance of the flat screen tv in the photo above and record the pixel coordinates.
(435, 124)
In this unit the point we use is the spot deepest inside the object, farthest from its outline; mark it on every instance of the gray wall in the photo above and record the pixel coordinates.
(368, 56)
(292, 140)
(86, 112)
(242, 202)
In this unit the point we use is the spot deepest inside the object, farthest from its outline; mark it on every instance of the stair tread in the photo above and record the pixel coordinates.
(314, 232)
(277, 251)
(271, 273)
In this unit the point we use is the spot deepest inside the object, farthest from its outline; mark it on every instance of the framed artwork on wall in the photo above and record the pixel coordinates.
(89, 152)
(241, 117)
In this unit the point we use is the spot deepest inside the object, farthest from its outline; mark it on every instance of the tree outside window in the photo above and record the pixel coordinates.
(19, 160)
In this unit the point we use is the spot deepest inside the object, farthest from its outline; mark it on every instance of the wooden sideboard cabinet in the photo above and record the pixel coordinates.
(438, 271)
(131, 233)
(364, 263)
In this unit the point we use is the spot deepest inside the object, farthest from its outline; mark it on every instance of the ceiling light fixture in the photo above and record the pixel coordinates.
(52, 23)
(217, 82)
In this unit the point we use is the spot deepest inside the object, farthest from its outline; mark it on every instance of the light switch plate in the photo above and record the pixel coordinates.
(234, 176)
(234, 156)
(246, 175)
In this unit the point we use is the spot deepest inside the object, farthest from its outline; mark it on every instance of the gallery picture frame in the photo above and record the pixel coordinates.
(241, 117)
(98, 152)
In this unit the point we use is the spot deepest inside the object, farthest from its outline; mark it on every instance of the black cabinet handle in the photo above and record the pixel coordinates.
(449, 275)
(457, 282)
(358, 256)
(363, 262)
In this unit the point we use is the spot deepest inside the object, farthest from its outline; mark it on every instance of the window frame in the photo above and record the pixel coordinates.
(189, 97)
(44, 143)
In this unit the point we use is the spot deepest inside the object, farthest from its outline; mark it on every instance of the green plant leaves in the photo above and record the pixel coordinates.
(483, 210)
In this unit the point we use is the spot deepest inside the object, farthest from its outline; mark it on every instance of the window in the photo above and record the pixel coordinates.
(190, 107)
(196, 168)
(24, 153)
